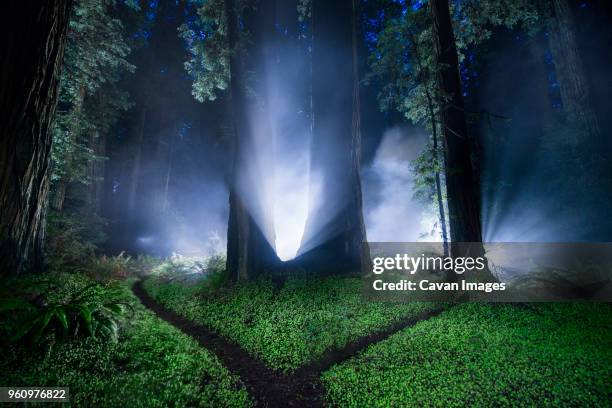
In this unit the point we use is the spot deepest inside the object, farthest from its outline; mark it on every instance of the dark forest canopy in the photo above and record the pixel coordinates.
(273, 130)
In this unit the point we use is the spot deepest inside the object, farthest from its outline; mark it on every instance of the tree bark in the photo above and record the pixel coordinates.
(573, 86)
(249, 253)
(334, 236)
(433, 122)
(356, 231)
(462, 196)
(33, 36)
(436, 153)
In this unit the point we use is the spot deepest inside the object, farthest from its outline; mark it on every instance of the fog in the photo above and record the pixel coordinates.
(542, 178)
(532, 186)
(392, 214)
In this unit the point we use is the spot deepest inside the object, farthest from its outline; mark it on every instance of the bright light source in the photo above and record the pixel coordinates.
(291, 198)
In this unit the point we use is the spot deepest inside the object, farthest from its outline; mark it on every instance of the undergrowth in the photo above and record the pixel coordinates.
(285, 327)
(151, 365)
(486, 355)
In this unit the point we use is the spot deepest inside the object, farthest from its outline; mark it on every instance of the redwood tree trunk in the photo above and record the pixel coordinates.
(358, 249)
(573, 85)
(249, 252)
(463, 206)
(334, 236)
(33, 36)
(436, 152)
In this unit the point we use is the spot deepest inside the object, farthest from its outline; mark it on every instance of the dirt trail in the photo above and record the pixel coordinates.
(271, 388)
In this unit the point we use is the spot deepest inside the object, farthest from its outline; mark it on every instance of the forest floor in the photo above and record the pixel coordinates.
(270, 387)
(358, 353)
(152, 363)
(318, 342)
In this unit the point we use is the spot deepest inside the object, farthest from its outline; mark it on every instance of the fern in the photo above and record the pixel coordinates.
(91, 311)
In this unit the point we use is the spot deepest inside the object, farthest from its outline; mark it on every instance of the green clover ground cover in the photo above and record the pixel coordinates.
(286, 327)
(486, 355)
(151, 365)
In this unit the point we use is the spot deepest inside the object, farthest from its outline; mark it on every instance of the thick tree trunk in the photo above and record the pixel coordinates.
(33, 37)
(573, 85)
(334, 235)
(358, 248)
(249, 253)
(260, 21)
(463, 206)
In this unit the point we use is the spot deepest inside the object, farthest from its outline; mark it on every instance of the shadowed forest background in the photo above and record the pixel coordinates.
(229, 161)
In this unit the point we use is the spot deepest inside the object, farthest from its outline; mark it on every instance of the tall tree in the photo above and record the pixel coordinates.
(463, 206)
(33, 38)
(573, 86)
(89, 99)
(405, 61)
(249, 250)
(96, 172)
(335, 231)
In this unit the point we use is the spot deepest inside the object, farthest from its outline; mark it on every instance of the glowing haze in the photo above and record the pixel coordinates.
(276, 187)
(290, 206)
(391, 212)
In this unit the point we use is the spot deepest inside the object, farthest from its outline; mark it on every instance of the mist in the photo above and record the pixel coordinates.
(392, 214)
(540, 180)
(294, 187)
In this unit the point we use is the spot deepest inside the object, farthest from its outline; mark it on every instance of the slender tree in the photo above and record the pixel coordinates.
(463, 206)
(90, 99)
(434, 125)
(407, 65)
(33, 39)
